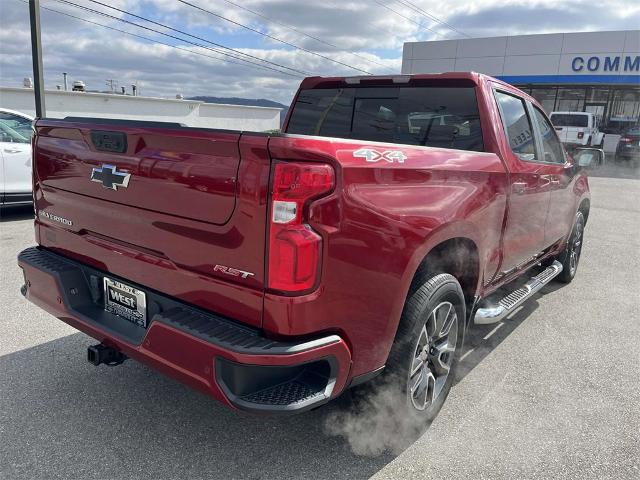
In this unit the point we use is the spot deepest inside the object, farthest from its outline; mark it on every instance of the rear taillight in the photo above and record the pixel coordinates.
(580, 135)
(294, 248)
(626, 139)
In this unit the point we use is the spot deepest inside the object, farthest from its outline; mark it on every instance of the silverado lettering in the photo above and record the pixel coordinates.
(386, 220)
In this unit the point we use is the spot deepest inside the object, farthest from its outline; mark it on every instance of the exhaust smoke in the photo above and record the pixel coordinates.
(377, 421)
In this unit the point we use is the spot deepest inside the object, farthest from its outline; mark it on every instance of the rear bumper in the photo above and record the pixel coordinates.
(233, 363)
(632, 153)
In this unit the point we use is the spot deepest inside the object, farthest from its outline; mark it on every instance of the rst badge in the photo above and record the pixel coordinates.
(389, 156)
(109, 177)
(234, 272)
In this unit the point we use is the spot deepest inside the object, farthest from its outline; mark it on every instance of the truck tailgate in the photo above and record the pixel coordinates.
(188, 202)
(172, 168)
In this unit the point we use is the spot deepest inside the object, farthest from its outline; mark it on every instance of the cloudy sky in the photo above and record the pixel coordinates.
(343, 37)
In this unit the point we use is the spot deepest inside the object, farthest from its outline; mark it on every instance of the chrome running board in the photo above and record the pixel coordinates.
(508, 304)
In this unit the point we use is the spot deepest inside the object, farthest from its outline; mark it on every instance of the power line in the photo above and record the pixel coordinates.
(294, 29)
(406, 18)
(237, 52)
(265, 67)
(270, 36)
(429, 16)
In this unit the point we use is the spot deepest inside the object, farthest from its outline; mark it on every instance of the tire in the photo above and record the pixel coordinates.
(570, 256)
(421, 365)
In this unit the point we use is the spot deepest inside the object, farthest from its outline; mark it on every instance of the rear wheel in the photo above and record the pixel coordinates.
(570, 256)
(422, 361)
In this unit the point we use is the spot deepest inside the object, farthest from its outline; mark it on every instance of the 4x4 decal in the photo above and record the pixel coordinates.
(374, 156)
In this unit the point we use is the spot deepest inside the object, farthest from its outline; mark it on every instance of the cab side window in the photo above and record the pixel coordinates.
(552, 147)
(517, 125)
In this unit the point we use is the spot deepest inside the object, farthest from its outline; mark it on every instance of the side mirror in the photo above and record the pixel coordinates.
(589, 157)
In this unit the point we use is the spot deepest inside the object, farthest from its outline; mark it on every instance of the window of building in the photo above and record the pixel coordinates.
(624, 110)
(550, 143)
(518, 125)
(597, 95)
(546, 97)
(570, 100)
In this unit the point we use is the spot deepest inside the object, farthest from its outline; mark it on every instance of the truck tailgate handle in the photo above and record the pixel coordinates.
(109, 141)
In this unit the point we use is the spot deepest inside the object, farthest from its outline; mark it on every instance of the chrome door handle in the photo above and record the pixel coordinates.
(519, 187)
(12, 150)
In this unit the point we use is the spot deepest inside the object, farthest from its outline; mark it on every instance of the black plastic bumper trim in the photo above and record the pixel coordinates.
(365, 377)
(277, 389)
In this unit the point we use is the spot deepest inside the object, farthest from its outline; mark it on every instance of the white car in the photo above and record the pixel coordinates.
(579, 129)
(15, 157)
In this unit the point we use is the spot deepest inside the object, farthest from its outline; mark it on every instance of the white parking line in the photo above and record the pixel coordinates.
(467, 353)
(493, 331)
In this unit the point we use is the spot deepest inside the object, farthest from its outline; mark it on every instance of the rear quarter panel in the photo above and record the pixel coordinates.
(377, 226)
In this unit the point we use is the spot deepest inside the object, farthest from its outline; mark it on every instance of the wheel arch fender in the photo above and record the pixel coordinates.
(583, 195)
(459, 231)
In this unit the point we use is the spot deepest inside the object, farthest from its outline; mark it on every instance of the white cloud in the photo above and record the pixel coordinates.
(93, 54)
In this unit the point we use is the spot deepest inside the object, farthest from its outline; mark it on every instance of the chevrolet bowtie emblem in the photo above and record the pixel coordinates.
(109, 177)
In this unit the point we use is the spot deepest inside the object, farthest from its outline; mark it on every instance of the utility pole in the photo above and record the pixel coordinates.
(36, 56)
(112, 84)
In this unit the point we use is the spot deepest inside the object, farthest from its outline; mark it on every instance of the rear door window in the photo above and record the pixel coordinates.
(517, 125)
(443, 117)
(553, 151)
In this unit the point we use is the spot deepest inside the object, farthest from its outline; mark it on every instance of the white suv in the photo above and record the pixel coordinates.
(580, 129)
(15, 157)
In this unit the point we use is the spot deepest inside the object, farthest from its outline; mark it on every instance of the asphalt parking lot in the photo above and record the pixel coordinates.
(554, 392)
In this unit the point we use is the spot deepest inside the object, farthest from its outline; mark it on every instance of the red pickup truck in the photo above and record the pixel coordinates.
(273, 272)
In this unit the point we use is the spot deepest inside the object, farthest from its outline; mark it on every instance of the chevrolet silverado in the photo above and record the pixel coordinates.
(274, 272)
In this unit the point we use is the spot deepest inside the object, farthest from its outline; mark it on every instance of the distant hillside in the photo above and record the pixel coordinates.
(254, 102)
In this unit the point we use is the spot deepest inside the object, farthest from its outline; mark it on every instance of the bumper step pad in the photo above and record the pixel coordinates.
(288, 393)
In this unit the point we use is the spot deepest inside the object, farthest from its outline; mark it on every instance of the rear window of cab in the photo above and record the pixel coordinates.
(569, 120)
(445, 117)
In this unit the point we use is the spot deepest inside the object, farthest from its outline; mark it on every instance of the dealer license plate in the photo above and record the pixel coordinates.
(125, 301)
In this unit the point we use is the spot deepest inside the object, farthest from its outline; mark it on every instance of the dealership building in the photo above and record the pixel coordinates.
(585, 72)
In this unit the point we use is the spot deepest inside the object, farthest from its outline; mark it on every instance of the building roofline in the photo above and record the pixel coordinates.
(527, 35)
(139, 97)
